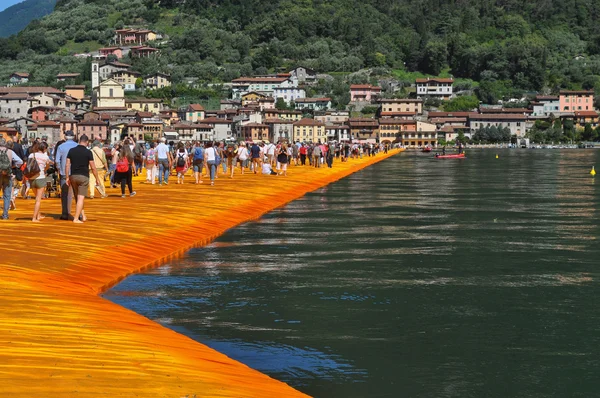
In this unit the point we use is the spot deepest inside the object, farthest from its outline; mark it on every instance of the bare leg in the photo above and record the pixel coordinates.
(38, 202)
(78, 209)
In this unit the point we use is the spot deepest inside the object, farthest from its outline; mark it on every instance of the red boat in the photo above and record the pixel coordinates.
(426, 149)
(457, 156)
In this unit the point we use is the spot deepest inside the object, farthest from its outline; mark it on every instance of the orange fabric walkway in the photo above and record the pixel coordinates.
(59, 338)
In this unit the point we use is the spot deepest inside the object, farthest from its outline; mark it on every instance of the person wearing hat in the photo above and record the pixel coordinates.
(66, 193)
(101, 167)
(8, 160)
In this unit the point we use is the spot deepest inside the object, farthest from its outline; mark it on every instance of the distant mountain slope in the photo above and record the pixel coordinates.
(17, 17)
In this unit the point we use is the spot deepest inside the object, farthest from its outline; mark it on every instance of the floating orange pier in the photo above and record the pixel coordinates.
(59, 338)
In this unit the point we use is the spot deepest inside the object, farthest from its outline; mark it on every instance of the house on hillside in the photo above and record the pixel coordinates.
(157, 80)
(515, 122)
(110, 68)
(314, 104)
(255, 132)
(15, 105)
(19, 78)
(576, 100)
(144, 51)
(75, 91)
(94, 129)
(303, 74)
(364, 129)
(194, 112)
(400, 107)
(134, 36)
(106, 51)
(440, 88)
(127, 78)
(153, 105)
(364, 92)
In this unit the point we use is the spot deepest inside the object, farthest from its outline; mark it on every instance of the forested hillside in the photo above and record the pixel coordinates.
(16, 17)
(507, 46)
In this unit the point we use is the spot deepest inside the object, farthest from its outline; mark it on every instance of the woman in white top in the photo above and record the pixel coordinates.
(210, 155)
(242, 155)
(39, 153)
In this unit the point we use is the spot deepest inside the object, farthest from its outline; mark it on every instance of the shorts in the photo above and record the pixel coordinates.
(80, 184)
(243, 163)
(38, 183)
(282, 166)
(198, 165)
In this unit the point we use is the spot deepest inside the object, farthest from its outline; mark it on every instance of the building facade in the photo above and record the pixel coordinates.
(440, 88)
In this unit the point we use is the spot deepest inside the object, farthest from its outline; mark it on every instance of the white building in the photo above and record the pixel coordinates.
(440, 88)
(262, 84)
(289, 94)
(546, 105)
(317, 104)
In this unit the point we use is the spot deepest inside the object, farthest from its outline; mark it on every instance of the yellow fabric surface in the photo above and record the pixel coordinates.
(59, 338)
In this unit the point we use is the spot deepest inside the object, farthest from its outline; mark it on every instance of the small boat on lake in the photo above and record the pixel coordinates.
(426, 149)
(454, 156)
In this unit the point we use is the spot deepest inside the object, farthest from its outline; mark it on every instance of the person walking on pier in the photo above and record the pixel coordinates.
(198, 162)
(101, 167)
(66, 192)
(181, 162)
(38, 184)
(79, 162)
(255, 155)
(8, 160)
(125, 169)
(242, 155)
(164, 162)
(211, 155)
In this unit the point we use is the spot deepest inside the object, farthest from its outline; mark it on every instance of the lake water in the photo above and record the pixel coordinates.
(412, 278)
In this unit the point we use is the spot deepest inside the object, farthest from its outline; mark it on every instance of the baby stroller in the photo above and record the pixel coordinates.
(52, 185)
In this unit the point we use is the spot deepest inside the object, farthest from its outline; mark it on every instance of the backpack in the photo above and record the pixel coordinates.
(150, 157)
(199, 153)
(32, 170)
(5, 166)
(123, 165)
(180, 159)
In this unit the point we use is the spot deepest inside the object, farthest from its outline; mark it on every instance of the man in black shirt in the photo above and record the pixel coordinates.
(79, 162)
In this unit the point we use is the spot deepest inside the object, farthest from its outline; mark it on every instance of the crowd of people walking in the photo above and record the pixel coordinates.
(76, 170)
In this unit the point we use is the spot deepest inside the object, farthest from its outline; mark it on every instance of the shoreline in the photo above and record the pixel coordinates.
(62, 338)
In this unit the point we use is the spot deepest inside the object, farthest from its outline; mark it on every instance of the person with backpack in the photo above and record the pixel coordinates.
(37, 175)
(151, 169)
(198, 161)
(8, 160)
(124, 170)
(181, 162)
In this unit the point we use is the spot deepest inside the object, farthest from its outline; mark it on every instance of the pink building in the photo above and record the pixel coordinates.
(94, 129)
(116, 51)
(571, 101)
(364, 92)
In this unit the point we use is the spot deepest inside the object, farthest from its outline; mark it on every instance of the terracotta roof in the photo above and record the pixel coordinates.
(309, 122)
(309, 100)
(145, 114)
(398, 113)
(396, 121)
(29, 90)
(196, 107)
(216, 120)
(448, 120)
(135, 125)
(48, 123)
(498, 116)
(586, 114)
(202, 126)
(435, 79)
(116, 63)
(450, 114)
(15, 96)
(21, 74)
(180, 126)
(67, 75)
(363, 122)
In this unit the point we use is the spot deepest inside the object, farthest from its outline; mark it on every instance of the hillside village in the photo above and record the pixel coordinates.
(272, 107)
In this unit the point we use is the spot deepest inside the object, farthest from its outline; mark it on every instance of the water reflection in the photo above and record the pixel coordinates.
(414, 277)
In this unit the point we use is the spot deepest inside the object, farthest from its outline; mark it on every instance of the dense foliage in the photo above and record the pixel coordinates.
(510, 47)
(17, 17)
